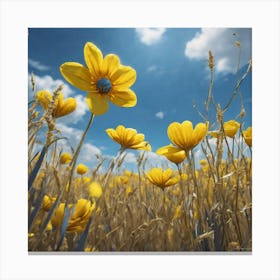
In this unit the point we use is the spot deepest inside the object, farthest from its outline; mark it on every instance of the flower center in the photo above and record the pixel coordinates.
(104, 85)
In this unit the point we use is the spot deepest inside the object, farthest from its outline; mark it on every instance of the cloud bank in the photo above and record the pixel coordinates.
(221, 41)
(150, 36)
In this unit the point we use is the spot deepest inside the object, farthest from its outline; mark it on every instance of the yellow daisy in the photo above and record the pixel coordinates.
(128, 138)
(78, 220)
(162, 178)
(62, 107)
(185, 138)
(65, 158)
(247, 135)
(230, 128)
(81, 169)
(104, 78)
(174, 154)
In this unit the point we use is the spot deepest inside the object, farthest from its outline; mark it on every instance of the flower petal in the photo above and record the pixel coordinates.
(113, 134)
(155, 176)
(68, 107)
(110, 64)
(145, 146)
(125, 98)
(172, 181)
(123, 78)
(187, 131)
(97, 103)
(174, 154)
(200, 132)
(175, 134)
(167, 174)
(93, 58)
(77, 75)
(231, 127)
(44, 97)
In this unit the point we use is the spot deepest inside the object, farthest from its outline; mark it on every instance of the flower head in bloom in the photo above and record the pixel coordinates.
(65, 158)
(95, 190)
(162, 178)
(81, 169)
(174, 154)
(230, 128)
(62, 107)
(48, 202)
(203, 162)
(104, 78)
(78, 220)
(184, 137)
(128, 138)
(247, 135)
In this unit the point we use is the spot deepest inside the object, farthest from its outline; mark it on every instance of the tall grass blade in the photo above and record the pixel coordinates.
(80, 245)
(67, 213)
(36, 168)
(37, 206)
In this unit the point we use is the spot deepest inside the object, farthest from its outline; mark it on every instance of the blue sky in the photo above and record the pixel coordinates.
(172, 72)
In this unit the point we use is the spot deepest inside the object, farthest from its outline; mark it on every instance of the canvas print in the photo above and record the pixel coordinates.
(139, 140)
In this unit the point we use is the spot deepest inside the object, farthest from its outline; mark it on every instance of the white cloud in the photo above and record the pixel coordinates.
(155, 160)
(152, 68)
(89, 153)
(156, 70)
(130, 158)
(48, 83)
(221, 42)
(37, 65)
(73, 134)
(149, 36)
(160, 115)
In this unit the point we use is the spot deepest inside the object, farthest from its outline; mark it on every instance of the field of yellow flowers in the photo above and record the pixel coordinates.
(189, 208)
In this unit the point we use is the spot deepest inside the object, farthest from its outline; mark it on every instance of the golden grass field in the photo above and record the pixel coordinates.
(191, 207)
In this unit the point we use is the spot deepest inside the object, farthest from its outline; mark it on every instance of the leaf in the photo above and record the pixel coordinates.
(37, 207)
(36, 168)
(80, 245)
(67, 213)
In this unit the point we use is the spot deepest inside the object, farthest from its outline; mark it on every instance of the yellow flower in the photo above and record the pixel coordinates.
(48, 202)
(174, 154)
(128, 173)
(177, 212)
(62, 106)
(203, 162)
(128, 190)
(247, 135)
(95, 190)
(184, 177)
(184, 137)
(78, 220)
(65, 158)
(103, 78)
(81, 169)
(162, 178)
(230, 127)
(128, 138)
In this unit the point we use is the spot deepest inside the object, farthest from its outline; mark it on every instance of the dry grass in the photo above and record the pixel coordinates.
(210, 209)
